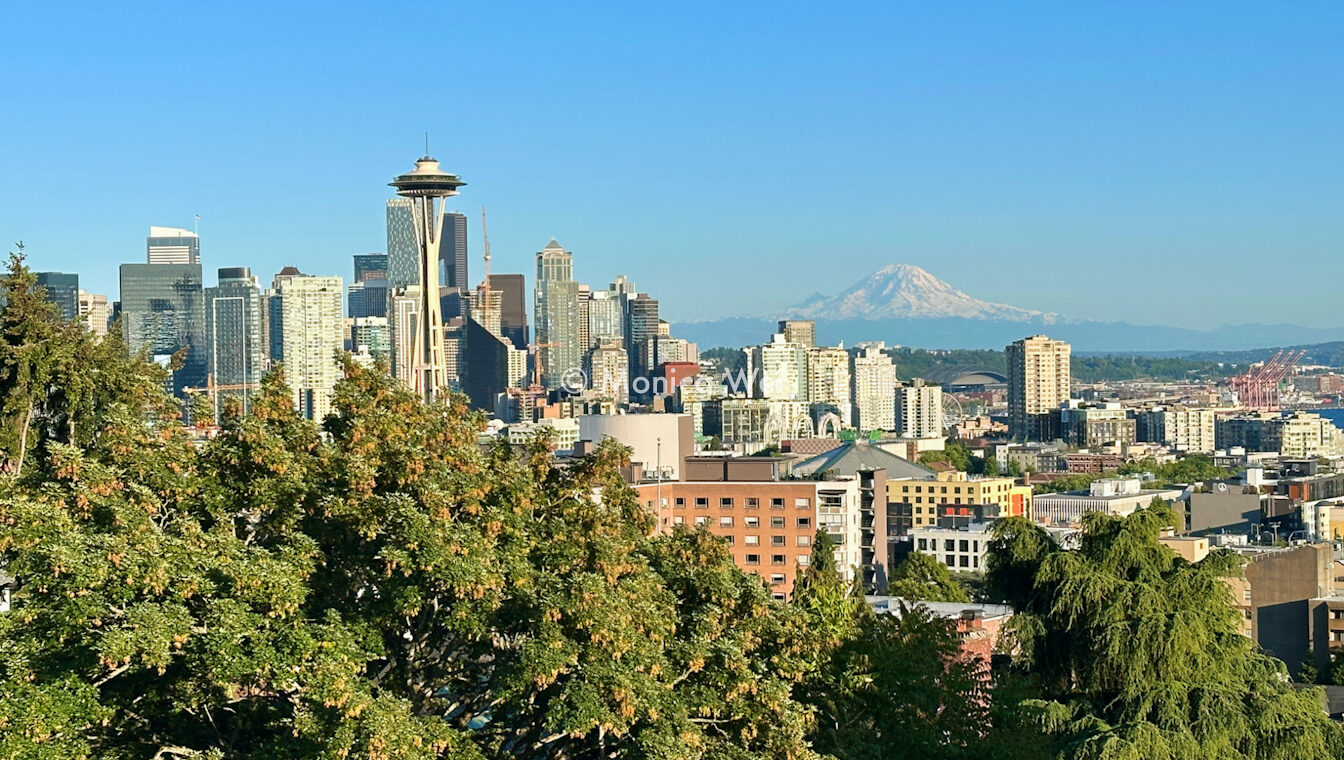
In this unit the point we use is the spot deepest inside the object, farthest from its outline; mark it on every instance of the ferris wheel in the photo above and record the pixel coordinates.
(952, 411)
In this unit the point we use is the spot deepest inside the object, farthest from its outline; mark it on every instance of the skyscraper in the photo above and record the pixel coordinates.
(426, 186)
(557, 313)
(172, 245)
(63, 290)
(828, 379)
(370, 266)
(802, 332)
(453, 253)
(778, 370)
(873, 390)
(606, 317)
(1039, 381)
(512, 307)
(919, 410)
(609, 369)
(95, 311)
(367, 296)
(641, 327)
(236, 351)
(162, 312)
(314, 333)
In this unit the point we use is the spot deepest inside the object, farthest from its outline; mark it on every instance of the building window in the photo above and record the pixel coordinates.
(702, 502)
(702, 520)
(753, 502)
(923, 544)
(802, 503)
(726, 502)
(776, 522)
(949, 545)
(678, 520)
(751, 522)
(804, 522)
(965, 545)
(753, 559)
(778, 597)
(776, 540)
(729, 539)
(776, 559)
(681, 501)
(776, 579)
(965, 561)
(804, 540)
(803, 559)
(776, 503)
(725, 522)
(752, 540)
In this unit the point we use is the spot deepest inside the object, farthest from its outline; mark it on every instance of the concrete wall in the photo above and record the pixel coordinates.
(641, 432)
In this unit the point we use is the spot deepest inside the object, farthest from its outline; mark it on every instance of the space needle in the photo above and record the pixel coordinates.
(426, 186)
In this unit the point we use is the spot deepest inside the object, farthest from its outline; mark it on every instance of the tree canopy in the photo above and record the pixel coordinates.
(1137, 653)
(381, 586)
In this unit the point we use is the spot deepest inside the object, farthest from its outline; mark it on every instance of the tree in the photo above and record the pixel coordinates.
(388, 590)
(1137, 653)
(922, 577)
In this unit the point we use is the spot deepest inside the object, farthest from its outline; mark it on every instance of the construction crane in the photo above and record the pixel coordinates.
(532, 348)
(214, 390)
(1257, 388)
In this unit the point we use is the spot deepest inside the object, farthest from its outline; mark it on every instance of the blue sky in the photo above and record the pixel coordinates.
(1130, 161)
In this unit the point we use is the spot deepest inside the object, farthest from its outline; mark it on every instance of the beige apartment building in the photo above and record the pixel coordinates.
(1039, 380)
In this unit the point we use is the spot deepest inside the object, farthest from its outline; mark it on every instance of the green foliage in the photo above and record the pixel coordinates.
(1188, 469)
(1065, 483)
(730, 360)
(956, 453)
(922, 577)
(918, 362)
(1137, 653)
(388, 591)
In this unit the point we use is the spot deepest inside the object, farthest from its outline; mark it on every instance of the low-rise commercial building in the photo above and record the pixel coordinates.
(962, 549)
(1118, 497)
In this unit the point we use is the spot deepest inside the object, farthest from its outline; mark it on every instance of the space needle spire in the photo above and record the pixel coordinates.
(427, 186)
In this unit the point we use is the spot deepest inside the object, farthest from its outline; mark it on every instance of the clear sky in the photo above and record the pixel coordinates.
(1134, 161)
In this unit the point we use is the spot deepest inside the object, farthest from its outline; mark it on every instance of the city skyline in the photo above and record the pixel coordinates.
(1123, 150)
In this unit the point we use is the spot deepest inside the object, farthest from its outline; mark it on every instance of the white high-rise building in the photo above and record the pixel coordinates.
(172, 245)
(314, 334)
(873, 388)
(517, 366)
(778, 370)
(919, 410)
(828, 378)
(95, 311)
(402, 317)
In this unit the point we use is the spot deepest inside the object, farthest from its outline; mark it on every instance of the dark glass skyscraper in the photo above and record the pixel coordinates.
(62, 290)
(513, 307)
(370, 266)
(162, 312)
(641, 326)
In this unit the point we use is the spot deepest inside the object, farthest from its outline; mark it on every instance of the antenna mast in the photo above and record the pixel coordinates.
(485, 244)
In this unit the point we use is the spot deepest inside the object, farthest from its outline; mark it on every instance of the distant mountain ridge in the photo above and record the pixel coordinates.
(905, 291)
(905, 305)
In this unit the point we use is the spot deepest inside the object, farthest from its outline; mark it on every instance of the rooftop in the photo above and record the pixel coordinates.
(854, 456)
